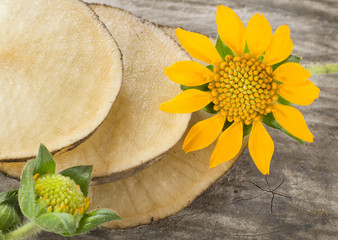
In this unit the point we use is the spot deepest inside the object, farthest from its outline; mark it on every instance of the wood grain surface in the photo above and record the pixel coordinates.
(298, 200)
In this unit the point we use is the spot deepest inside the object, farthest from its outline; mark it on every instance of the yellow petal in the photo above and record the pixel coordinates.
(186, 102)
(261, 147)
(189, 73)
(291, 73)
(203, 133)
(280, 46)
(198, 46)
(228, 145)
(292, 120)
(230, 29)
(302, 94)
(258, 34)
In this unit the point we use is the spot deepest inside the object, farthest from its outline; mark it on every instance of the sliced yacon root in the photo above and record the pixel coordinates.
(136, 133)
(60, 72)
(162, 189)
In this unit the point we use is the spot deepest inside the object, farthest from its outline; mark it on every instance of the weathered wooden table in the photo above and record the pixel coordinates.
(299, 199)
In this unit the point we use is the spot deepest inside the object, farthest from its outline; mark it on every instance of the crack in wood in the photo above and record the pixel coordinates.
(272, 191)
(258, 234)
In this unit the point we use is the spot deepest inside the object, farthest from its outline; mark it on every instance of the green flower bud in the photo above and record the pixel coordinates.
(10, 213)
(60, 194)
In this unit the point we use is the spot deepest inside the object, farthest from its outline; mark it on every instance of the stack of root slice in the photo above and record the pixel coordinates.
(136, 134)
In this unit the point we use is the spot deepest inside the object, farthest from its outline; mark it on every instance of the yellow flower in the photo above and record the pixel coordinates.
(243, 87)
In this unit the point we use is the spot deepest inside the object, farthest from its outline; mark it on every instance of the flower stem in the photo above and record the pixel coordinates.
(323, 68)
(23, 232)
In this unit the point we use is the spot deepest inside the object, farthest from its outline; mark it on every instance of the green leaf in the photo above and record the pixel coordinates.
(26, 193)
(61, 223)
(44, 161)
(96, 218)
(283, 101)
(270, 121)
(247, 129)
(2, 237)
(80, 175)
(203, 87)
(291, 58)
(223, 49)
(210, 108)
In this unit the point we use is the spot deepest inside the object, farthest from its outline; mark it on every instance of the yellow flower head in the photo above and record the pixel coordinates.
(254, 78)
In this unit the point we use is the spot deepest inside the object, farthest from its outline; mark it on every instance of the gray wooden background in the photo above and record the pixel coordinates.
(298, 200)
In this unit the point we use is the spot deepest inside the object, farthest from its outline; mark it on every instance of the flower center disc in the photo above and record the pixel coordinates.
(243, 88)
(60, 194)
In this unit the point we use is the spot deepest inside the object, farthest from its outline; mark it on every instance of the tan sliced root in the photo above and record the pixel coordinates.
(60, 72)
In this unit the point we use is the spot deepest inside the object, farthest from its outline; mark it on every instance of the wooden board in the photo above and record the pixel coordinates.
(298, 200)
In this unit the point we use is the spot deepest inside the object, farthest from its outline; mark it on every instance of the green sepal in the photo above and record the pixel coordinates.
(210, 108)
(203, 87)
(80, 175)
(26, 194)
(10, 213)
(261, 58)
(57, 222)
(226, 125)
(210, 67)
(96, 218)
(283, 101)
(270, 121)
(77, 218)
(5, 197)
(41, 208)
(2, 237)
(44, 161)
(223, 49)
(247, 129)
(246, 49)
(291, 58)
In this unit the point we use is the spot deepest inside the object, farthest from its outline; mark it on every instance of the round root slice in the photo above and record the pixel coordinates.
(162, 189)
(60, 72)
(136, 133)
